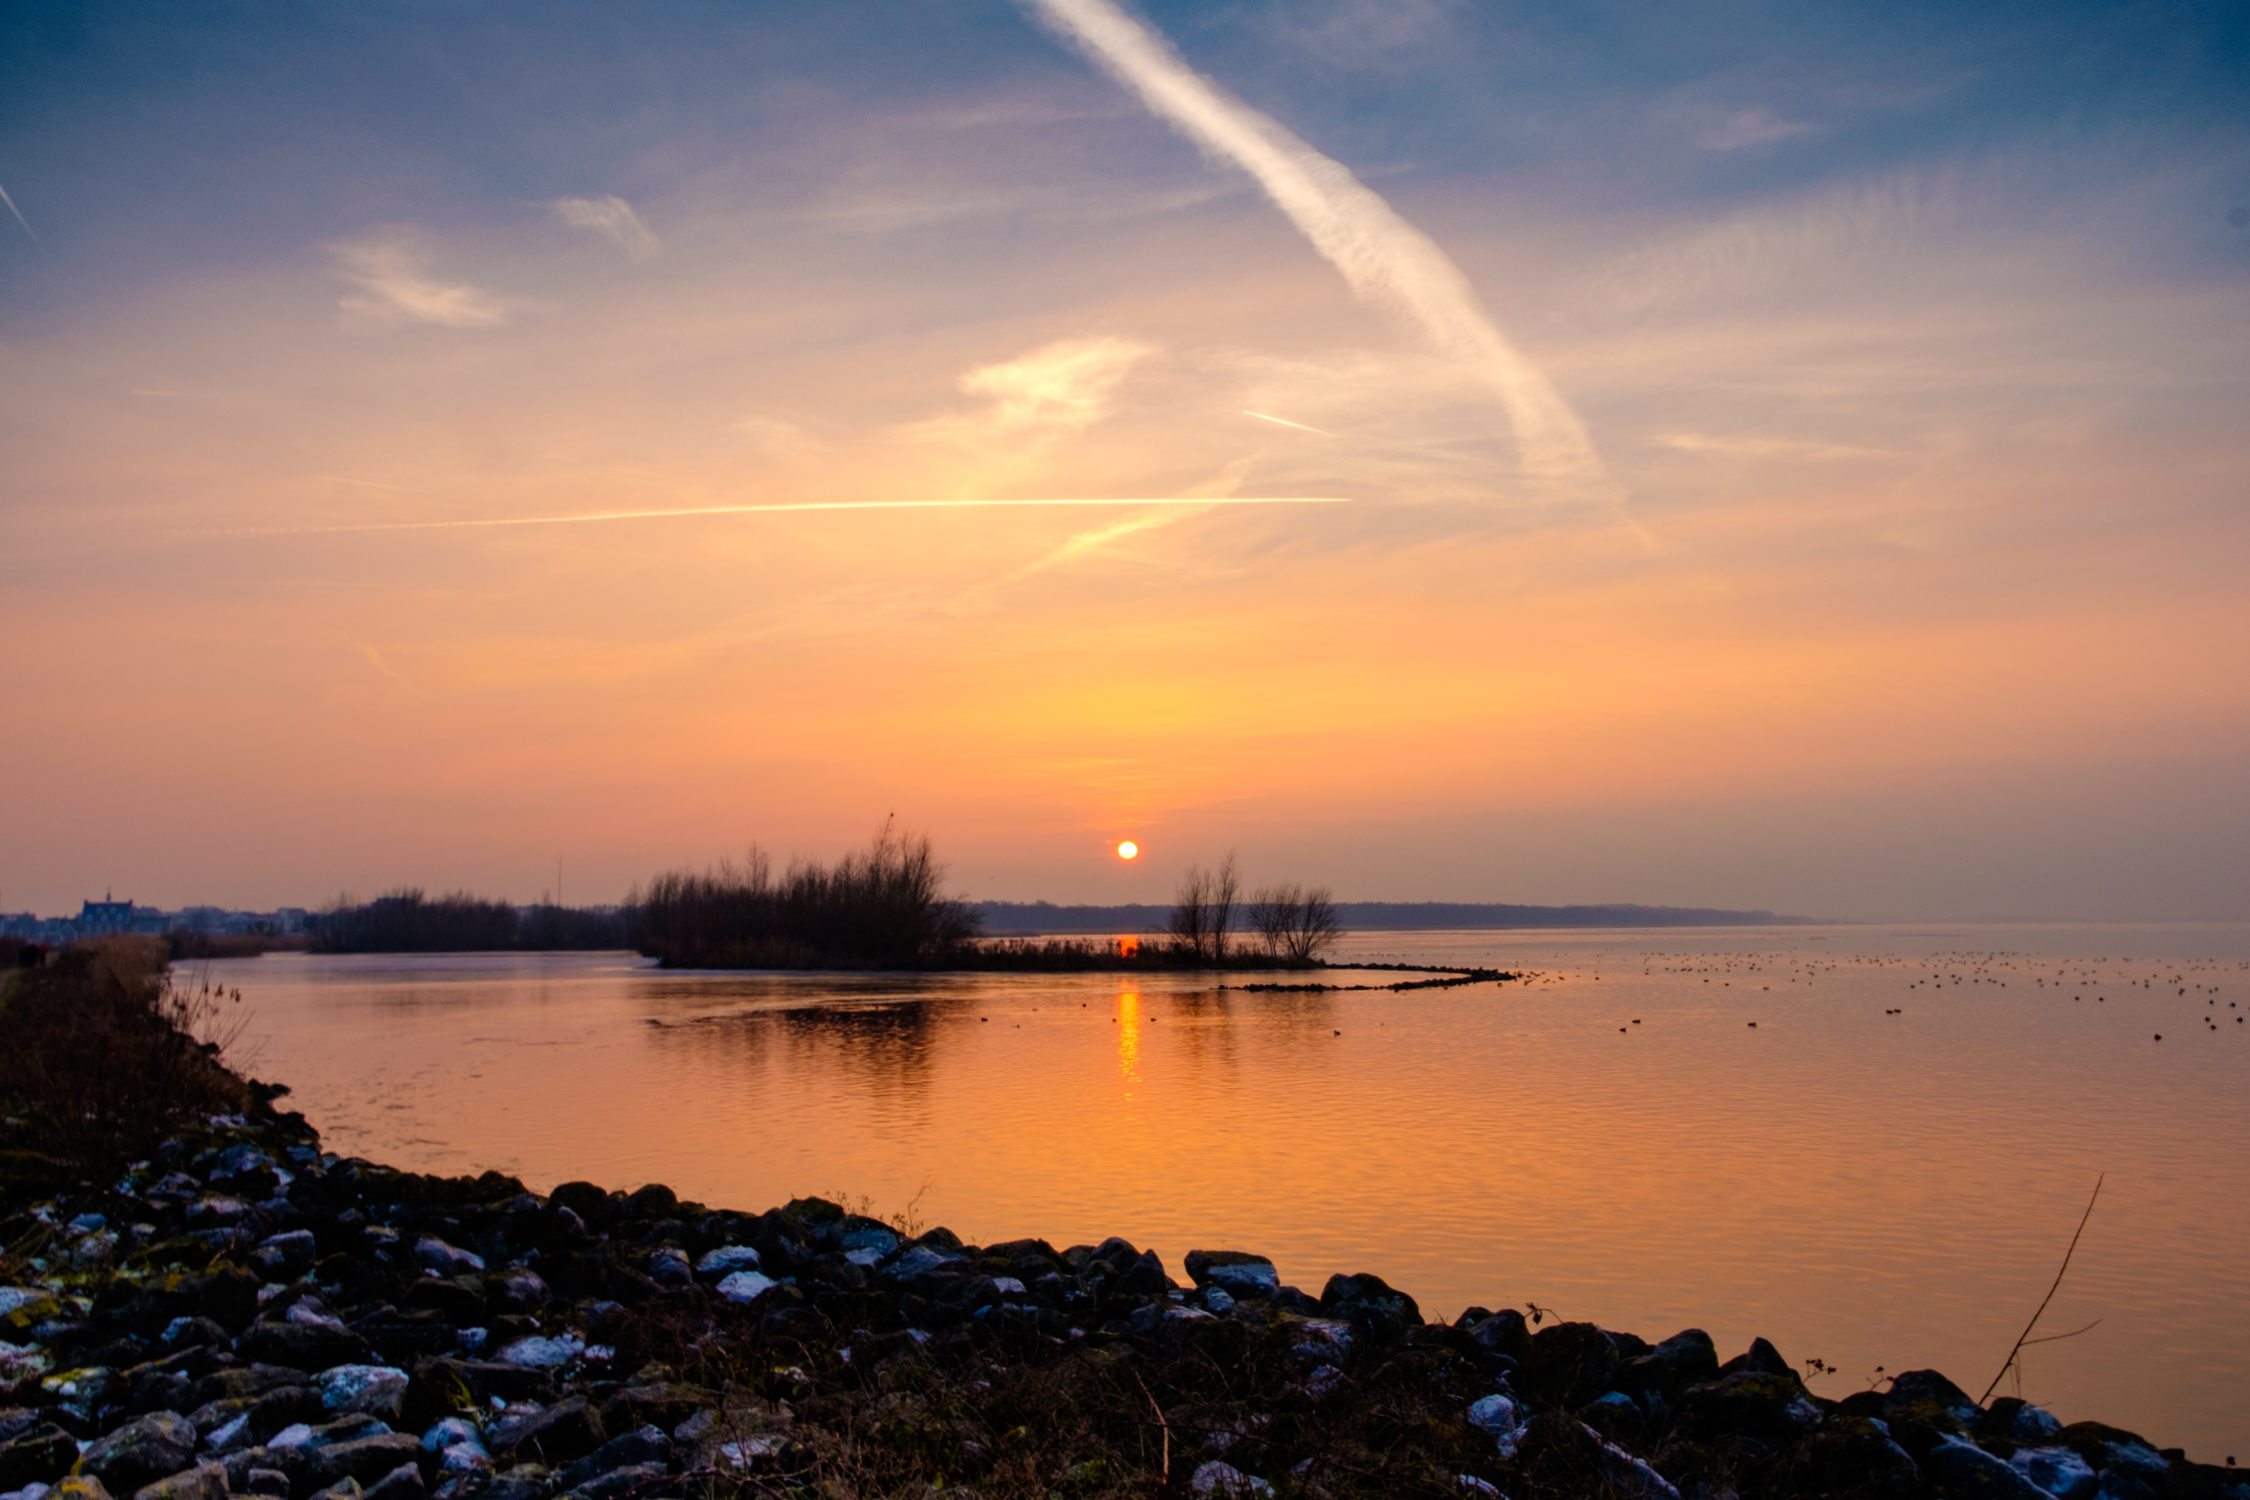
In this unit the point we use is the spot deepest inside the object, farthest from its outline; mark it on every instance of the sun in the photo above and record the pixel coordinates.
(1128, 850)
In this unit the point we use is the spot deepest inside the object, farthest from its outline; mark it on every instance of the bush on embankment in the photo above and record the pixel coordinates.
(102, 1053)
(881, 907)
(408, 921)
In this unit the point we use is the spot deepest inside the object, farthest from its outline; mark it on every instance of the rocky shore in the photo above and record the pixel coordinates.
(245, 1314)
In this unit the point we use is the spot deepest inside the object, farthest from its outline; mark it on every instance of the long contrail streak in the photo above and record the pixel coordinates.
(584, 518)
(20, 219)
(1285, 422)
(1382, 258)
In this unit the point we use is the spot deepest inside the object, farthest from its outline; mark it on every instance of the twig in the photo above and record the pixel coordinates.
(1166, 1450)
(2056, 1338)
(2025, 1336)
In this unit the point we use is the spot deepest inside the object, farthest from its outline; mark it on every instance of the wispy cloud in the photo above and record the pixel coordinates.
(20, 219)
(613, 219)
(1759, 249)
(1384, 259)
(1751, 445)
(1739, 128)
(389, 268)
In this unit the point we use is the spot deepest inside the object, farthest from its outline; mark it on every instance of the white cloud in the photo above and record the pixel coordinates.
(613, 219)
(388, 268)
(1067, 384)
(1383, 259)
(1057, 389)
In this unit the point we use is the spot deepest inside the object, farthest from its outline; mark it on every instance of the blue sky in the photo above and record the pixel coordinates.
(1903, 346)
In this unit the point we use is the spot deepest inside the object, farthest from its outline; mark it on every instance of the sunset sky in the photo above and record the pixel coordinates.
(1769, 455)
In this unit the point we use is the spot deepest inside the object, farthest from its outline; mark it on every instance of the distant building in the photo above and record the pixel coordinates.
(103, 917)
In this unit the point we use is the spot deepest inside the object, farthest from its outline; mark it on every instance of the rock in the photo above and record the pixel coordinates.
(2113, 1448)
(1500, 1419)
(301, 1344)
(273, 1482)
(1570, 1364)
(745, 1287)
(538, 1353)
(1761, 1358)
(631, 1479)
(342, 1489)
(2018, 1421)
(285, 1257)
(727, 1259)
(203, 1482)
(434, 1254)
(1686, 1358)
(1370, 1305)
(2058, 1471)
(1144, 1277)
(1226, 1481)
(669, 1267)
(365, 1459)
(554, 1435)
(40, 1454)
(644, 1445)
(518, 1291)
(1504, 1333)
(1929, 1385)
(79, 1487)
(1966, 1472)
(1560, 1455)
(1236, 1272)
(1772, 1408)
(661, 1403)
(1851, 1456)
(144, 1449)
(401, 1483)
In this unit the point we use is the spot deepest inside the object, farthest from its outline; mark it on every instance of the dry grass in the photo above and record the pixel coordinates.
(101, 1052)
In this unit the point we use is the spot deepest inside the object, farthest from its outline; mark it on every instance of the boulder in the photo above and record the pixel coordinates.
(1237, 1272)
(377, 1390)
(727, 1259)
(631, 1479)
(643, 1445)
(2018, 1421)
(1772, 1408)
(203, 1482)
(401, 1483)
(301, 1344)
(1966, 1472)
(2058, 1471)
(142, 1450)
(1371, 1305)
(1851, 1456)
(1929, 1385)
(365, 1459)
(434, 1254)
(1686, 1358)
(1223, 1481)
(286, 1256)
(1570, 1364)
(39, 1454)
(1560, 1455)
(552, 1435)
(745, 1287)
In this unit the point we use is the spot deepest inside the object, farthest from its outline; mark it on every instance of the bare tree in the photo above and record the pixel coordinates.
(1273, 917)
(1191, 909)
(1317, 924)
(1226, 895)
(1204, 909)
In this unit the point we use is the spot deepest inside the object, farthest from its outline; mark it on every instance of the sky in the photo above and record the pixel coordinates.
(1736, 454)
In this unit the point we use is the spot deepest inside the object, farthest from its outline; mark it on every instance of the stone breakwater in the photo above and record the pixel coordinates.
(247, 1315)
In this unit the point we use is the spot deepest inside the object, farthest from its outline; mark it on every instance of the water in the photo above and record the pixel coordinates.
(1612, 1139)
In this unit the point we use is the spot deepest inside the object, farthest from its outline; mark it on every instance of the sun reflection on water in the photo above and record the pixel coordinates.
(1129, 1040)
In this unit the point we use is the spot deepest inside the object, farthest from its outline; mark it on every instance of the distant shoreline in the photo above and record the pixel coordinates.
(1044, 918)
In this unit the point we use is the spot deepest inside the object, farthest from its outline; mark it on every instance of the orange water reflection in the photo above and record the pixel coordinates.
(1881, 1172)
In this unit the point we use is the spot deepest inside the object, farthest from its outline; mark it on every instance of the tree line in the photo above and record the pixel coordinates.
(1290, 923)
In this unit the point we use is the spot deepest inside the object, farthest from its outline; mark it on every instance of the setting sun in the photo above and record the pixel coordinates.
(1128, 850)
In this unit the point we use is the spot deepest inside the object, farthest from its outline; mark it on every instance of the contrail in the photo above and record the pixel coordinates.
(1382, 258)
(1285, 422)
(584, 518)
(20, 219)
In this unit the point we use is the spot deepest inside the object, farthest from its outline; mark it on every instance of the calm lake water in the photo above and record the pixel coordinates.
(1612, 1139)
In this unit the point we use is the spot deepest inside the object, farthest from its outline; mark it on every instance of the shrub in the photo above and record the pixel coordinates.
(878, 908)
